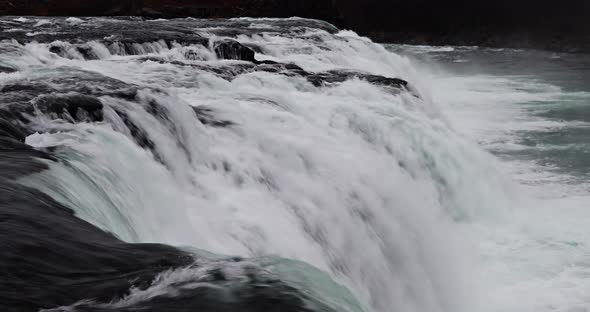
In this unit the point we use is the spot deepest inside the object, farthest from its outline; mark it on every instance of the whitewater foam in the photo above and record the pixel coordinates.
(538, 259)
(382, 190)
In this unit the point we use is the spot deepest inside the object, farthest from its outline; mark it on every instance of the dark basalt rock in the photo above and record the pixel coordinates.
(139, 135)
(75, 107)
(338, 76)
(57, 50)
(10, 127)
(20, 101)
(253, 293)
(191, 55)
(115, 48)
(205, 116)
(51, 259)
(79, 101)
(125, 32)
(320, 79)
(87, 53)
(17, 160)
(233, 50)
(6, 69)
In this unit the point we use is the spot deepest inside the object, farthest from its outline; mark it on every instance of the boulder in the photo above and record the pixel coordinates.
(233, 50)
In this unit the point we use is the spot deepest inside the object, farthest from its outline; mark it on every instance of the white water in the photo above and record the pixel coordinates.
(540, 259)
(388, 193)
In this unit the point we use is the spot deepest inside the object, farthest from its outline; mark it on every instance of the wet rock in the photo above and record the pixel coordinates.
(6, 69)
(17, 160)
(192, 55)
(86, 53)
(329, 77)
(10, 127)
(57, 50)
(74, 107)
(254, 47)
(233, 50)
(205, 116)
(139, 135)
(52, 259)
(321, 79)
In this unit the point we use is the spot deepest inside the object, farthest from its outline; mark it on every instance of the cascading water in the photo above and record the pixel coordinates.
(311, 154)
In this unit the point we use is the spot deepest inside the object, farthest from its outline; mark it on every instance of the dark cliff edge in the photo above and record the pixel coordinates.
(536, 24)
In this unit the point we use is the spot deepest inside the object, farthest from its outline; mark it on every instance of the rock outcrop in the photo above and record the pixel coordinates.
(233, 50)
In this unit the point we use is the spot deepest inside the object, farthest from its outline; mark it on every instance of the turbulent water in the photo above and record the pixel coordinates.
(530, 109)
(293, 167)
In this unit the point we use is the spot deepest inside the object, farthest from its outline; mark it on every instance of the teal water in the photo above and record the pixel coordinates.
(548, 93)
(531, 109)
